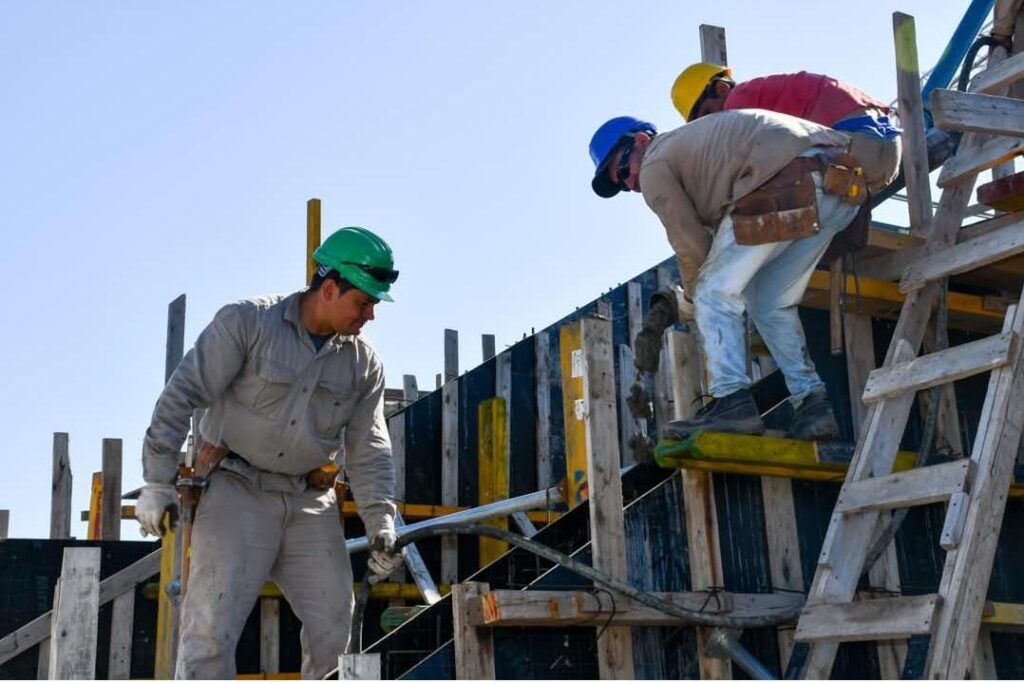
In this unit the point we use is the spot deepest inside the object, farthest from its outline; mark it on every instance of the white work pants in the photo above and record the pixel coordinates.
(243, 536)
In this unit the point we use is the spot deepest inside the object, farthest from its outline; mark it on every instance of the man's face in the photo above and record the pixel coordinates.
(713, 100)
(348, 312)
(624, 168)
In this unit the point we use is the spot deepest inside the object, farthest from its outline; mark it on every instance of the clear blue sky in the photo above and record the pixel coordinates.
(153, 149)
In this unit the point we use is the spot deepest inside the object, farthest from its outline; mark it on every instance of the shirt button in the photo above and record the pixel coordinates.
(280, 455)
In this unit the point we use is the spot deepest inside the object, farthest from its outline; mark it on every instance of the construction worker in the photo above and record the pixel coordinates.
(750, 200)
(705, 88)
(1004, 20)
(289, 385)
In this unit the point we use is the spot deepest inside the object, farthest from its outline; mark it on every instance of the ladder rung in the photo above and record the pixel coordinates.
(919, 486)
(881, 619)
(940, 367)
(955, 110)
(974, 253)
(996, 78)
(968, 163)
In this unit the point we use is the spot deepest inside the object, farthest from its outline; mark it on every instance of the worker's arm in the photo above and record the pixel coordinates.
(203, 375)
(689, 237)
(1005, 17)
(368, 462)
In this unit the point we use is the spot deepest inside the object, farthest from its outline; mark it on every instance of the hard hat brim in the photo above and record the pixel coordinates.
(602, 184)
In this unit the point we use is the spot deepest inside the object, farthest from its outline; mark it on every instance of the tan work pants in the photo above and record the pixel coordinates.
(242, 537)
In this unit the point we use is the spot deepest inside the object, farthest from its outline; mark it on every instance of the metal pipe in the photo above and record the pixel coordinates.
(530, 501)
(724, 643)
(953, 55)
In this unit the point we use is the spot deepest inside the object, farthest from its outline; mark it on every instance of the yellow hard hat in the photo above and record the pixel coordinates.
(692, 83)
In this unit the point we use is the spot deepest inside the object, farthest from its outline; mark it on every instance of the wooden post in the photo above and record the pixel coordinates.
(5, 521)
(312, 235)
(95, 507)
(60, 489)
(451, 355)
(110, 505)
(474, 647)
(76, 607)
(175, 336)
(835, 305)
(450, 475)
(396, 429)
(493, 468)
(542, 368)
(712, 44)
(270, 635)
(783, 547)
(361, 667)
(915, 149)
(122, 621)
(487, 346)
(607, 530)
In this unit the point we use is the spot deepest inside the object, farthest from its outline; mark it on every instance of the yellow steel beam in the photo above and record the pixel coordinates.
(492, 472)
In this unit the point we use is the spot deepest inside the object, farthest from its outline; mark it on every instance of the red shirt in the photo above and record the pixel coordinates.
(813, 97)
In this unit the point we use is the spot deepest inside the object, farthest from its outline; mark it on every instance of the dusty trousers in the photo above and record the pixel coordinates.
(244, 536)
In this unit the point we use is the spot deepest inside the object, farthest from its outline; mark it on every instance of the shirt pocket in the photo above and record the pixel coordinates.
(330, 408)
(274, 381)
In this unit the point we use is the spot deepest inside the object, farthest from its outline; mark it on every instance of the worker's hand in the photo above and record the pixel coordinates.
(662, 314)
(384, 559)
(639, 402)
(153, 502)
(687, 311)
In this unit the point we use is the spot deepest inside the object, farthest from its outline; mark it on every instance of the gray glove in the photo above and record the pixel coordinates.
(639, 402)
(153, 502)
(662, 314)
(383, 557)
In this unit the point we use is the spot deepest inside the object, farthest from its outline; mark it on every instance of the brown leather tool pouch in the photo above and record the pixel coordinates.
(323, 478)
(845, 179)
(784, 208)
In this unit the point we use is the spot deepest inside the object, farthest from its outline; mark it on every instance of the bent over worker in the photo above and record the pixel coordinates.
(706, 88)
(288, 384)
(750, 200)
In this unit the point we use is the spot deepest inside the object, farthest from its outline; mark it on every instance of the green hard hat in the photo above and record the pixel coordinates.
(360, 257)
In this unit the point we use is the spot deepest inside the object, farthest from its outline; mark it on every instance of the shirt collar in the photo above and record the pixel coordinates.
(293, 314)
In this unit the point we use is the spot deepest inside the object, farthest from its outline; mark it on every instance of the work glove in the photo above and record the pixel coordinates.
(153, 502)
(639, 402)
(662, 314)
(384, 559)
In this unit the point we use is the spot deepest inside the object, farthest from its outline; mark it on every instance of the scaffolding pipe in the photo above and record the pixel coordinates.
(543, 500)
(724, 643)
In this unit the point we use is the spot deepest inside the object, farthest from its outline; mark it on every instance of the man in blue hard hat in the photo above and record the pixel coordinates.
(750, 200)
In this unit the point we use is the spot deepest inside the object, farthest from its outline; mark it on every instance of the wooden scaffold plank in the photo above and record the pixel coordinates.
(74, 626)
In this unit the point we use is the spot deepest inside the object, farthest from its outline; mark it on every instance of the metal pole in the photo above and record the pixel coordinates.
(724, 643)
(530, 501)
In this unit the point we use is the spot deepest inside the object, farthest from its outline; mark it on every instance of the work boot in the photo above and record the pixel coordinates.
(736, 413)
(813, 419)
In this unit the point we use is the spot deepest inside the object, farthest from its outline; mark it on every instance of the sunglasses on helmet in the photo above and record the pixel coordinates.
(376, 272)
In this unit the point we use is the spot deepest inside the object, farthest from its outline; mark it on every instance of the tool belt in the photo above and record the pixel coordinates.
(319, 479)
(786, 208)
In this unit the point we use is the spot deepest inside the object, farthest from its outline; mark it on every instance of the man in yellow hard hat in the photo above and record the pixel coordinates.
(750, 200)
(706, 88)
(288, 384)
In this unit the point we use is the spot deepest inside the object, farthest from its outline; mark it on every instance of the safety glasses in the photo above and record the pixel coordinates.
(377, 273)
(622, 168)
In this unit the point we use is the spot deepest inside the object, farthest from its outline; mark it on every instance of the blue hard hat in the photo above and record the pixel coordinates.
(604, 142)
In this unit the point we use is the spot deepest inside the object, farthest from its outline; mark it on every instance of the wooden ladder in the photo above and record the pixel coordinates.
(944, 624)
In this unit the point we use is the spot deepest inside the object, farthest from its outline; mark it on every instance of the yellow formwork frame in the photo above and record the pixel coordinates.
(492, 473)
(163, 665)
(312, 235)
(571, 342)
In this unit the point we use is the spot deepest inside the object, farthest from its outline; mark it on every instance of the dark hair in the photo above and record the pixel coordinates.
(318, 279)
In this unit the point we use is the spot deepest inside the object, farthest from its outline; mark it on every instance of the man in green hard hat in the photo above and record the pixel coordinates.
(289, 385)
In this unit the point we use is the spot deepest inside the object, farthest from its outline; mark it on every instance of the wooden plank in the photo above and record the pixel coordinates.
(43, 661)
(549, 608)
(38, 630)
(953, 526)
(965, 256)
(783, 547)
(542, 369)
(915, 149)
(451, 355)
(60, 490)
(493, 469)
(410, 392)
(919, 486)
(948, 437)
(175, 349)
(396, 430)
(879, 619)
(604, 308)
(110, 502)
(860, 360)
(122, 622)
(607, 529)
(994, 152)
(1004, 617)
(95, 507)
(966, 574)
(712, 44)
(270, 635)
(996, 78)
(359, 667)
(628, 427)
(572, 412)
(940, 367)
(983, 664)
(5, 521)
(835, 305)
(474, 647)
(885, 575)
(634, 310)
(487, 346)
(74, 627)
(312, 235)
(955, 110)
(449, 475)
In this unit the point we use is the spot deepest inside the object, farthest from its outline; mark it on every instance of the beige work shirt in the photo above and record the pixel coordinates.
(691, 176)
(285, 407)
